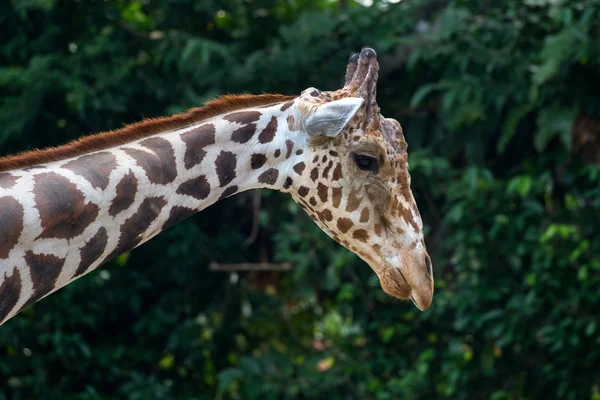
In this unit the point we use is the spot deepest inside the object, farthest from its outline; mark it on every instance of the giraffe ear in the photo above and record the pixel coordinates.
(331, 118)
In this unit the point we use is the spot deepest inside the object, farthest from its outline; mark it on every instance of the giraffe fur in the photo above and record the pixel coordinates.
(65, 211)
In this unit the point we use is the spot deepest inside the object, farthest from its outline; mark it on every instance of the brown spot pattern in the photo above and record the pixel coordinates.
(195, 142)
(10, 291)
(268, 133)
(7, 181)
(126, 190)
(288, 182)
(299, 168)
(360, 235)
(226, 163)
(299, 152)
(291, 122)
(243, 134)
(364, 215)
(378, 228)
(312, 201)
(44, 270)
(287, 105)
(198, 188)
(11, 225)
(62, 207)
(303, 191)
(228, 192)
(353, 201)
(327, 168)
(326, 215)
(269, 177)
(257, 160)
(314, 174)
(243, 117)
(322, 192)
(344, 224)
(159, 166)
(290, 146)
(336, 196)
(177, 215)
(277, 153)
(94, 168)
(337, 172)
(134, 226)
(92, 251)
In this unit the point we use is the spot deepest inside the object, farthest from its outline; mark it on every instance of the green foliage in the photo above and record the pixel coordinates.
(487, 93)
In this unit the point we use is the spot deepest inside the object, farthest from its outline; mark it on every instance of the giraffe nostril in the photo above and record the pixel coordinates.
(428, 265)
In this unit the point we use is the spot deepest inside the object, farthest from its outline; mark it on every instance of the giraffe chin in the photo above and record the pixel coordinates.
(394, 284)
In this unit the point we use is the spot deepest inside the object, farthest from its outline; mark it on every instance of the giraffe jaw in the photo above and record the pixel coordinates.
(394, 283)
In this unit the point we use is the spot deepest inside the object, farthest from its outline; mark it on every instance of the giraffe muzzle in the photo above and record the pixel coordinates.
(414, 282)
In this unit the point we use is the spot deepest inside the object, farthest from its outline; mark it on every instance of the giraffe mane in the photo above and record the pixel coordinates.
(147, 127)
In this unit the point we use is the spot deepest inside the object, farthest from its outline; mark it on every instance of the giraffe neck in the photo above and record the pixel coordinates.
(59, 221)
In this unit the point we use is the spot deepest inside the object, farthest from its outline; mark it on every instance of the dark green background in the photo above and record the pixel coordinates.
(499, 101)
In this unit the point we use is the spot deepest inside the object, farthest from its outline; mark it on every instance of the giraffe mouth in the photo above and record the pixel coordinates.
(395, 284)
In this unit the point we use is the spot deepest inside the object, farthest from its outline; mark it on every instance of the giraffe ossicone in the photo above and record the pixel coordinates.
(65, 211)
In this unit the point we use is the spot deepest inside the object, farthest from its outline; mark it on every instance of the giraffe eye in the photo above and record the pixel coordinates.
(366, 163)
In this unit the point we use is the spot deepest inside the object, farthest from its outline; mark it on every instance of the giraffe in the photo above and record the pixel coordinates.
(66, 210)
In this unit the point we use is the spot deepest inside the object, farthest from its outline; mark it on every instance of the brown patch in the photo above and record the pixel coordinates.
(226, 163)
(140, 130)
(290, 146)
(408, 217)
(299, 152)
(327, 168)
(337, 172)
(336, 196)
(195, 142)
(353, 201)
(269, 177)
(378, 229)
(314, 174)
(257, 160)
(7, 181)
(344, 224)
(160, 167)
(303, 191)
(288, 182)
(291, 122)
(92, 251)
(299, 168)
(198, 188)
(277, 153)
(313, 201)
(268, 133)
(376, 248)
(11, 225)
(228, 192)
(95, 168)
(44, 270)
(243, 134)
(134, 226)
(177, 215)
(324, 158)
(63, 211)
(126, 190)
(243, 117)
(333, 153)
(326, 215)
(10, 291)
(287, 105)
(364, 215)
(315, 159)
(322, 191)
(360, 235)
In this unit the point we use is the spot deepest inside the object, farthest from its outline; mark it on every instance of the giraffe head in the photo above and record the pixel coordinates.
(354, 181)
